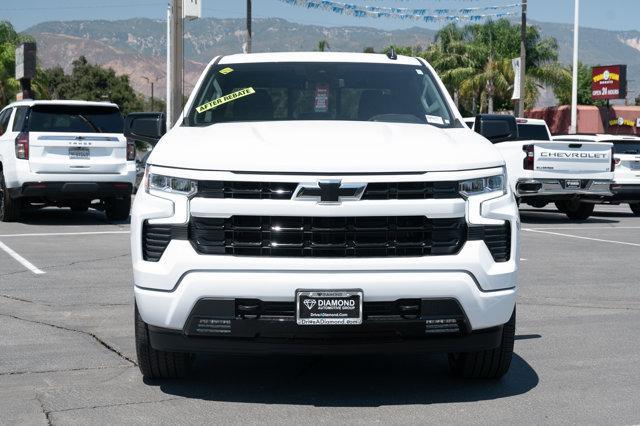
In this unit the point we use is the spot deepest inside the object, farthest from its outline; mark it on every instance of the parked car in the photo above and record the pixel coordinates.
(542, 171)
(626, 178)
(67, 154)
(322, 202)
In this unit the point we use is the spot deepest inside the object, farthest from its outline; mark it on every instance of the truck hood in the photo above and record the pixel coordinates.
(324, 147)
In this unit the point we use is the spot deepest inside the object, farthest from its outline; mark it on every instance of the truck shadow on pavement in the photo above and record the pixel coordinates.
(342, 381)
(547, 216)
(64, 216)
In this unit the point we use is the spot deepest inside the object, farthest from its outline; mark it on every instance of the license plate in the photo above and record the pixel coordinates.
(572, 183)
(321, 307)
(79, 153)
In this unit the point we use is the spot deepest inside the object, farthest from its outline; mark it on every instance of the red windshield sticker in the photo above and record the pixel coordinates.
(322, 98)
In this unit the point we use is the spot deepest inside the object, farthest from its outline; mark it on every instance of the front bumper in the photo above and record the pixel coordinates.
(334, 343)
(559, 189)
(72, 190)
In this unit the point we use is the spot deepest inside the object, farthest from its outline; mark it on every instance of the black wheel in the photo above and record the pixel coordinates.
(9, 207)
(537, 204)
(635, 208)
(118, 208)
(155, 364)
(487, 364)
(80, 206)
(561, 206)
(577, 210)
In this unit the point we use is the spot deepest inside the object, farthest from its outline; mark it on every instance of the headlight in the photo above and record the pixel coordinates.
(172, 185)
(484, 185)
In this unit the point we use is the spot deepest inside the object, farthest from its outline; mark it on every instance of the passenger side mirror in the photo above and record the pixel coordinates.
(146, 127)
(497, 128)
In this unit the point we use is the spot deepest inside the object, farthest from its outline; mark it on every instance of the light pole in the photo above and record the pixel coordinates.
(249, 47)
(574, 82)
(523, 56)
(150, 81)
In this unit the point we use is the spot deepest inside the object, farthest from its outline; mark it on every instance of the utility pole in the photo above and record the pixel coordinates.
(175, 65)
(248, 48)
(523, 57)
(574, 82)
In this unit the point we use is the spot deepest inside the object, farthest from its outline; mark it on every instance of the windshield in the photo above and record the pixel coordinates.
(535, 132)
(319, 91)
(621, 147)
(75, 119)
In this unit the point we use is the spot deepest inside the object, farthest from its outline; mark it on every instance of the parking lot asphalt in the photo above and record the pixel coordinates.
(67, 352)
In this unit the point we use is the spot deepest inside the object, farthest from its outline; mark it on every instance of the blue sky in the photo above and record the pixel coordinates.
(609, 14)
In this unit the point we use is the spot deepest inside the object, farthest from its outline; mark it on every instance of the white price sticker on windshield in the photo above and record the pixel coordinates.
(434, 119)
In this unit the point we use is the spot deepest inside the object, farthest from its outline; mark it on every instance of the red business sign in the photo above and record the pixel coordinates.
(609, 82)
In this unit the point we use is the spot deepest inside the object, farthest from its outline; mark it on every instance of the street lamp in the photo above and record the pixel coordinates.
(151, 83)
(574, 82)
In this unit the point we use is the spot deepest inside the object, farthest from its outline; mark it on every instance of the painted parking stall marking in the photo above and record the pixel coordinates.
(24, 262)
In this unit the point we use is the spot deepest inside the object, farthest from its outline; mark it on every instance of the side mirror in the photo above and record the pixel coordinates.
(146, 127)
(497, 128)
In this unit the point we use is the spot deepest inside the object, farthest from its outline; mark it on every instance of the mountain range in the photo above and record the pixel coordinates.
(137, 47)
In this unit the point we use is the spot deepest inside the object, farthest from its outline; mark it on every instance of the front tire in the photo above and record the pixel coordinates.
(486, 364)
(118, 209)
(9, 207)
(155, 364)
(635, 208)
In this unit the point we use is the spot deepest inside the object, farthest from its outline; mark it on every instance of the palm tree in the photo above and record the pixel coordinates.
(474, 62)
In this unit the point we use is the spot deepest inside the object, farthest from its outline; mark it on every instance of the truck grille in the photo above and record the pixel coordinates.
(285, 190)
(327, 236)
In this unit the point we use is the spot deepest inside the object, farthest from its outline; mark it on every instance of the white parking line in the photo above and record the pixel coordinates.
(48, 234)
(30, 266)
(582, 238)
(582, 228)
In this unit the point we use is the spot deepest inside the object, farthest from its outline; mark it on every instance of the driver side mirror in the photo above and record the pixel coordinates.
(497, 128)
(146, 127)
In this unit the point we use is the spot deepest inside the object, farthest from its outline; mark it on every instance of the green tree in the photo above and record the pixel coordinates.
(91, 82)
(323, 45)
(9, 41)
(475, 63)
(563, 93)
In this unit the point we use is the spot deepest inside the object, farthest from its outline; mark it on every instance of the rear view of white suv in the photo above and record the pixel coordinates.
(67, 154)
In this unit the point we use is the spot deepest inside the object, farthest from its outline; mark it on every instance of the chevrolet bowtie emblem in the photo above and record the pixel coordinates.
(329, 191)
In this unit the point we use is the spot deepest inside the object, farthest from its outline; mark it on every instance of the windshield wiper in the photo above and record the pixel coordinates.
(90, 123)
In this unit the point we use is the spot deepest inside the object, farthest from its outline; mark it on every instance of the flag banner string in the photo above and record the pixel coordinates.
(419, 14)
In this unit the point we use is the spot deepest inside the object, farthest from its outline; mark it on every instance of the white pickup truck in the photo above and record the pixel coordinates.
(322, 202)
(626, 177)
(573, 175)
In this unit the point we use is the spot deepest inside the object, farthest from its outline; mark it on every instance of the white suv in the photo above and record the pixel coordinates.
(64, 153)
(626, 177)
(323, 202)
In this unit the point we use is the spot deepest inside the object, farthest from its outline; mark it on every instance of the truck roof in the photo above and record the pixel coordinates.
(373, 58)
(32, 102)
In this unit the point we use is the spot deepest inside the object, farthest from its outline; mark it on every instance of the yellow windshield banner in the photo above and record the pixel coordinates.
(225, 71)
(224, 99)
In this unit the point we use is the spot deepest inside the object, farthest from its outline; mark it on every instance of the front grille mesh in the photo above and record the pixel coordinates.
(285, 190)
(327, 236)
